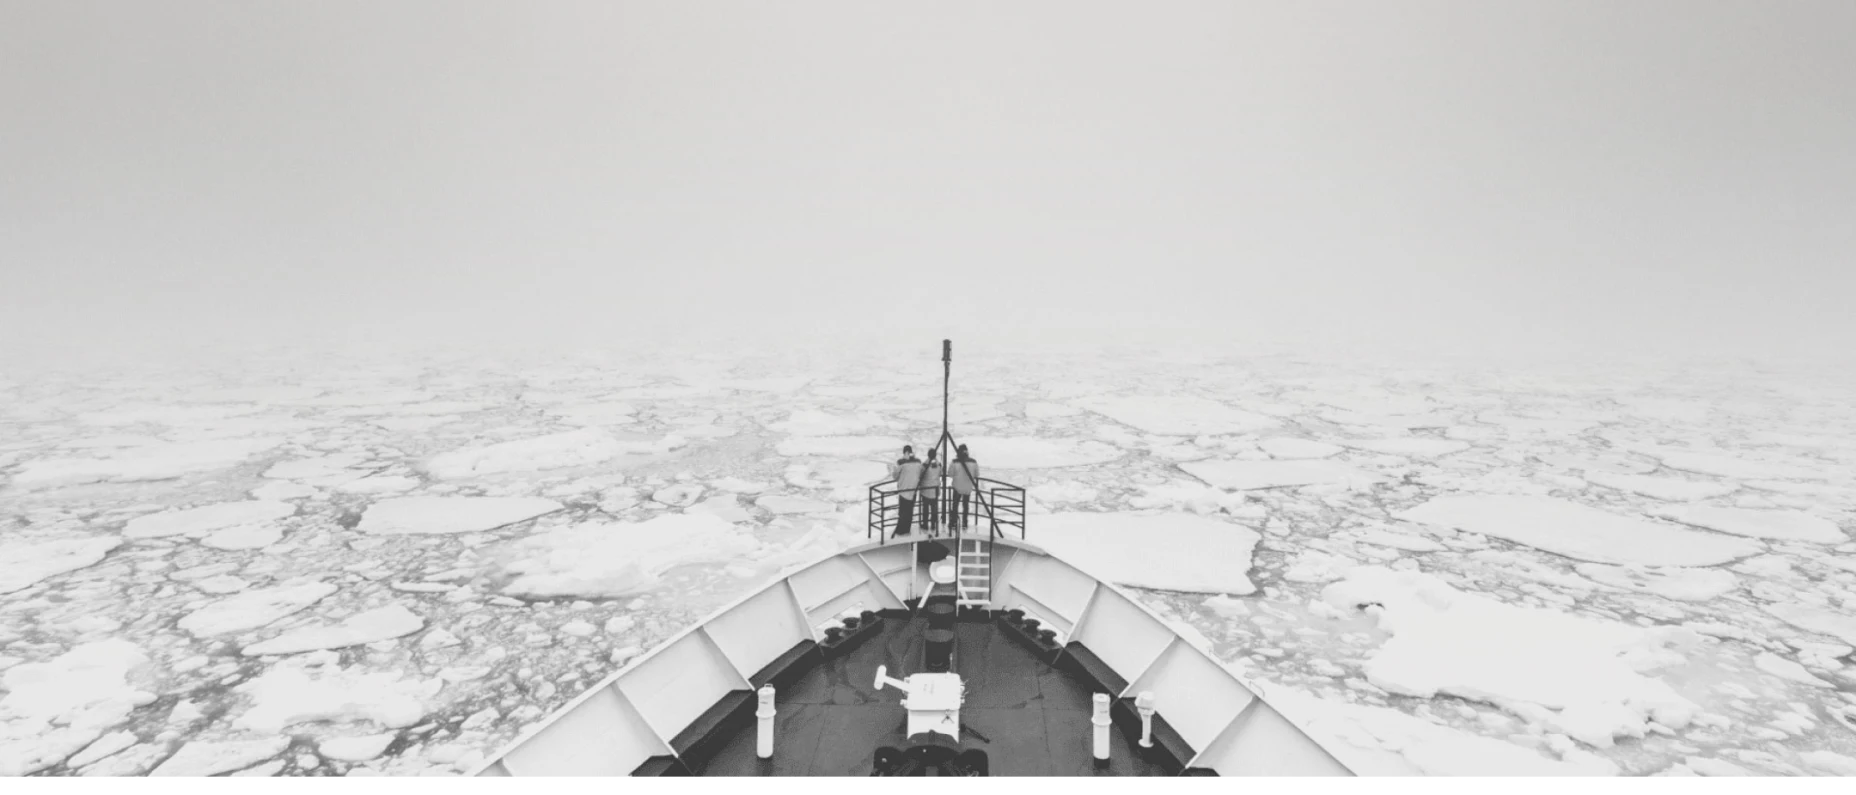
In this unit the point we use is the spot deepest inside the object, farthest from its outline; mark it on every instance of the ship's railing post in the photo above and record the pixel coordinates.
(1144, 703)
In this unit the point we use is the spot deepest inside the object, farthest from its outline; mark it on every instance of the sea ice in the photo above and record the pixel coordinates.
(1393, 743)
(807, 422)
(1662, 488)
(1780, 525)
(199, 758)
(383, 623)
(780, 504)
(26, 563)
(1176, 415)
(163, 462)
(1410, 446)
(1731, 467)
(572, 449)
(355, 749)
(886, 447)
(1024, 452)
(253, 609)
(207, 519)
(1246, 475)
(432, 515)
(1578, 531)
(1290, 447)
(1839, 624)
(1168, 551)
(1687, 585)
(1787, 670)
(611, 560)
(1468, 645)
(288, 694)
(56, 708)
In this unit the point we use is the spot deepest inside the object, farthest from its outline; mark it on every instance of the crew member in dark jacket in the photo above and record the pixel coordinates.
(931, 493)
(907, 473)
(966, 472)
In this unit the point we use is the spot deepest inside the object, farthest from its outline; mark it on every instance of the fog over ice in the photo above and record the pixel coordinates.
(1662, 178)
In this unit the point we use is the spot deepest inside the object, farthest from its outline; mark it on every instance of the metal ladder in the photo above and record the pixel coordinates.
(973, 572)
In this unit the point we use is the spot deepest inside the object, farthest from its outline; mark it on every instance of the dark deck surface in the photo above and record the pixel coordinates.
(1031, 719)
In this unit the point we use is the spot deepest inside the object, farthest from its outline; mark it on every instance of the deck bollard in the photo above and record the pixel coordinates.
(1101, 733)
(764, 741)
(1145, 703)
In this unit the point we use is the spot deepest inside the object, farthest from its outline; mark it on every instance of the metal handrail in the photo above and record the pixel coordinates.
(1004, 504)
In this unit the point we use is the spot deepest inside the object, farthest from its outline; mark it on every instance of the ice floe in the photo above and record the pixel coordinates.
(1779, 525)
(1025, 452)
(253, 609)
(1682, 584)
(610, 560)
(200, 758)
(207, 519)
(1838, 624)
(1245, 475)
(26, 563)
(1787, 670)
(1290, 447)
(355, 749)
(571, 449)
(1662, 488)
(1169, 551)
(287, 695)
(888, 448)
(54, 709)
(1588, 675)
(1580, 532)
(1177, 415)
(434, 515)
(1410, 446)
(1732, 467)
(161, 462)
(382, 623)
(1392, 743)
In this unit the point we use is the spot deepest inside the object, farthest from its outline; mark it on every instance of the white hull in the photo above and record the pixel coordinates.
(632, 715)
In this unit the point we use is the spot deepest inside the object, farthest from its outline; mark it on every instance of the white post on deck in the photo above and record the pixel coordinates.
(764, 741)
(1101, 722)
(1145, 703)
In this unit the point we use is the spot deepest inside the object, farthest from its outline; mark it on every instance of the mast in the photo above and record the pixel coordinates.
(947, 375)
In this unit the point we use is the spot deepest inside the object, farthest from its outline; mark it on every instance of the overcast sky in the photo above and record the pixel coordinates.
(1616, 175)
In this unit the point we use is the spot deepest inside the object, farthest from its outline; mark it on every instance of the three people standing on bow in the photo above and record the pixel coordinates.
(925, 484)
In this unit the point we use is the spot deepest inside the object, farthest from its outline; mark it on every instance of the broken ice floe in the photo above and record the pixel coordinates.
(1276, 474)
(1576, 531)
(610, 560)
(431, 515)
(1177, 416)
(1169, 551)
(1582, 677)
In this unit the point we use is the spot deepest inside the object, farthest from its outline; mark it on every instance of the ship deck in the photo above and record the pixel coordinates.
(1031, 718)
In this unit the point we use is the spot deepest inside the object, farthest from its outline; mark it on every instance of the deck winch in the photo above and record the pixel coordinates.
(933, 702)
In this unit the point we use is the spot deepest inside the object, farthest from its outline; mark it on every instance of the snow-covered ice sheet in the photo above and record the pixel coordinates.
(1177, 416)
(1024, 452)
(1589, 675)
(1276, 474)
(206, 519)
(1171, 551)
(1580, 532)
(611, 560)
(26, 563)
(1777, 525)
(429, 515)
(572, 449)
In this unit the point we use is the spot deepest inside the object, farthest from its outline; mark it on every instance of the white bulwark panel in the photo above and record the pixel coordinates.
(602, 736)
(1261, 742)
(1045, 586)
(1197, 696)
(679, 682)
(758, 630)
(1123, 635)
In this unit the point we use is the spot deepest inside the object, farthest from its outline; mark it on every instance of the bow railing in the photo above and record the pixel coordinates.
(999, 504)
